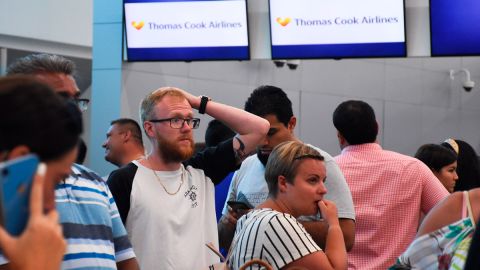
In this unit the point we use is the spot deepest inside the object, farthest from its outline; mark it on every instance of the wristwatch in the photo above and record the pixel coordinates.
(203, 104)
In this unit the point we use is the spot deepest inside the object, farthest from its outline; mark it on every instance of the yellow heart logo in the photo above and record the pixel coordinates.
(138, 25)
(283, 21)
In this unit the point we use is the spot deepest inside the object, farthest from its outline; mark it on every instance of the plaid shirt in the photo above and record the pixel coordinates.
(389, 191)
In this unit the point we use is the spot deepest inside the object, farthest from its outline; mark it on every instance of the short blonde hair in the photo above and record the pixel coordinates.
(149, 102)
(284, 160)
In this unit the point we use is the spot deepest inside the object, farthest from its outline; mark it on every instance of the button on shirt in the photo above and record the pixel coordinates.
(389, 191)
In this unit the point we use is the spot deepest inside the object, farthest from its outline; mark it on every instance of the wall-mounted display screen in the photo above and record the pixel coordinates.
(303, 29)
(173, 30)
(455, 27)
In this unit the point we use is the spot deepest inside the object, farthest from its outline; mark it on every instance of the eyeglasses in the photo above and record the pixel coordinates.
(82, 103)
(179, 122)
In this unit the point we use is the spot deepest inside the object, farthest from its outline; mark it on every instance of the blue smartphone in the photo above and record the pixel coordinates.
(16, 178)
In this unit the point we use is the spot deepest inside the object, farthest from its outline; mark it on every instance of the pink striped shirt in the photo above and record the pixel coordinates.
(389, 191)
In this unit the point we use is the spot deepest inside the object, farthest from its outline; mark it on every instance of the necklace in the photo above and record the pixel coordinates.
(160, 181)
(140, 157)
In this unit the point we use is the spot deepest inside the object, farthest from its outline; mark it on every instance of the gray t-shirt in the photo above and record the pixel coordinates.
(248, 183)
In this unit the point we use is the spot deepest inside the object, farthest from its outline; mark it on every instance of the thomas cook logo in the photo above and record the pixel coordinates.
(283, 21)
(138, 25)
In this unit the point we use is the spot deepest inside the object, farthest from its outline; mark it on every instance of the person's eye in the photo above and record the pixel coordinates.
(313, 180)
(271, 132)
(176, 120)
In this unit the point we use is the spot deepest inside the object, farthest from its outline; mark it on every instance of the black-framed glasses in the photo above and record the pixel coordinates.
(178, 123)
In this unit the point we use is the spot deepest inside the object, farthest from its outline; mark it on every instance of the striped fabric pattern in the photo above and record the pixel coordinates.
(91, 223)
(274, 237)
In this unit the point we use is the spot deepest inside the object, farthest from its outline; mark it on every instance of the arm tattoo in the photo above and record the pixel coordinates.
(240, 154)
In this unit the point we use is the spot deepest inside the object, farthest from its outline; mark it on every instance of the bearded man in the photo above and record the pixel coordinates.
(166, 200)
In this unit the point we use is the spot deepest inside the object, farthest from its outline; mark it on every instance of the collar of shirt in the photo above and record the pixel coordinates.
(365, 147)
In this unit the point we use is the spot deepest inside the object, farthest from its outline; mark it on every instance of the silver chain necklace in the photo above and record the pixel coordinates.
(160, 181)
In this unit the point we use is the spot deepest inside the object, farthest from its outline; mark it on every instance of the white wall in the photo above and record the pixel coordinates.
(52, 26)
(414, 98)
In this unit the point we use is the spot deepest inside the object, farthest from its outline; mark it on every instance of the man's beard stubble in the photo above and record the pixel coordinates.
(262, 157)
(171, 152)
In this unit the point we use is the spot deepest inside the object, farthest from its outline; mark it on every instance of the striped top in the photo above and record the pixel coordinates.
(274, 237)
(91, 223)
(95, 235)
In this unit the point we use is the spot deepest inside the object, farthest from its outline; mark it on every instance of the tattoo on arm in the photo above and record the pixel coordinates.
(240, 154)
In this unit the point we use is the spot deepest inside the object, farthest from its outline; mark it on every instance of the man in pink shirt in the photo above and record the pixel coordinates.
(389, 190)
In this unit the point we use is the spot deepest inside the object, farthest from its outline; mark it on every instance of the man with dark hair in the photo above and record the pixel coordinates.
(57, 125)
(124, 142)
(95, 234)
(249, 186)
(389, 190)
(166, 198)
(27, 105)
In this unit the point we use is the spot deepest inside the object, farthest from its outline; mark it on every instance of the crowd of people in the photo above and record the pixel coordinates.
(289, 204)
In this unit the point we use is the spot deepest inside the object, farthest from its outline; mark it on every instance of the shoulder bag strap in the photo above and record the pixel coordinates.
(466, 195)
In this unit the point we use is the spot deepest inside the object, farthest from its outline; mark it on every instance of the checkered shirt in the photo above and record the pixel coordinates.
(389, 191)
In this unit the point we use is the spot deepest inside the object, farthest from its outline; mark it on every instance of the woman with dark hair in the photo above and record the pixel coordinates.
(295, 174)
(36, 120)
(442, 161)
(468, 167)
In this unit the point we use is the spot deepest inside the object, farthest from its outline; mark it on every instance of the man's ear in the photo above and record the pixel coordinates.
(148, 126)
(292, 123)
(341, 139)
(282, 184)
(18, 151)
(126, 135)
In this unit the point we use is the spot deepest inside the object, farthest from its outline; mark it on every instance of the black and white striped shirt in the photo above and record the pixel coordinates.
(274, 237)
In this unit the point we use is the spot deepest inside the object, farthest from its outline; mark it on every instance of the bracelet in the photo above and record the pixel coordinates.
(203, 104)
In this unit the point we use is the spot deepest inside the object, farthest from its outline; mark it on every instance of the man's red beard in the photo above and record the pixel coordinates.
(172, 151)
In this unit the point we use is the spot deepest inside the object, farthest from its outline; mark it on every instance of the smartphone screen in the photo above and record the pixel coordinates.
(236, 205)
(16, 180)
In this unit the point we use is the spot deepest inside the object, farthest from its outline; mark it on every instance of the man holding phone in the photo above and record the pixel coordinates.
(249, 186)
(105, 243)
(56, 123)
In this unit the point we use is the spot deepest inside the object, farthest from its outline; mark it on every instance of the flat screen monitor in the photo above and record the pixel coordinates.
(304, 29)
(455, 27)
(187, 30)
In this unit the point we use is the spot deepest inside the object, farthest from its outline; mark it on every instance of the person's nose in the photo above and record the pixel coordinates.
(322, 189)
(266, 141)
(104, 145)
(185, 127)
(455, 176)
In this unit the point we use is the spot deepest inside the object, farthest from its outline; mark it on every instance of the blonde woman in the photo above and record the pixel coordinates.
(295, 174)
